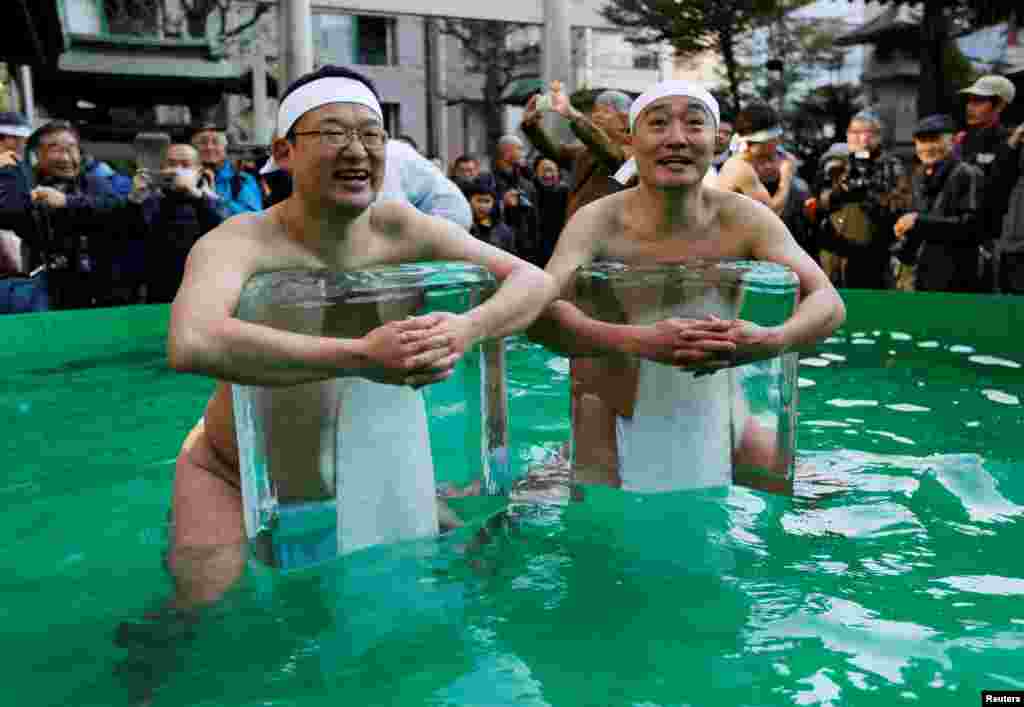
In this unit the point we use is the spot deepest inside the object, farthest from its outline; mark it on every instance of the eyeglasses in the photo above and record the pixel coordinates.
(371, 138)
(59, 147)
(861, 132)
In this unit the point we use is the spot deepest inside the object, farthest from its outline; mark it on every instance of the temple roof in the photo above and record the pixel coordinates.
(894, 21)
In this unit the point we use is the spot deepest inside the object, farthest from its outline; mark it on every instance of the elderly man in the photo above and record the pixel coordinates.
(69, 221)
(603, 146)
(669, 216)
(238, 190)
(942, 232)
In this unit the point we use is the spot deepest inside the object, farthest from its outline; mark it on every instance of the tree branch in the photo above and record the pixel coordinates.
(260, 10)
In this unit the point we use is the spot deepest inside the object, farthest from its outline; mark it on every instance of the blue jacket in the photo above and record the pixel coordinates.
(239, 191)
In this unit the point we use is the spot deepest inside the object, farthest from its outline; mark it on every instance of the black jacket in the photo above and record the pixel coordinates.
(946, 236)
(77, 240)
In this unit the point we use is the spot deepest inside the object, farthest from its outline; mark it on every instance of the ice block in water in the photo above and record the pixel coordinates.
(332, 467)
(651, 427)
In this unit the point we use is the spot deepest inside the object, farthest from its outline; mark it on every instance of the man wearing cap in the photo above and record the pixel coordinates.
(71, 222)
(333, 144)
(238, 191)
(670, 216)
(941, 234)
(985, 144)
(603, 146)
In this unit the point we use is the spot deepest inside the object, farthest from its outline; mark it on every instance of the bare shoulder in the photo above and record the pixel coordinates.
(601, 216)
(251, 242)
(743, 220)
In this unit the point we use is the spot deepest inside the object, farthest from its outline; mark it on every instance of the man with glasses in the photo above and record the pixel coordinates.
(334, 145)
(857, 231)
(239, 192)
(70, 221)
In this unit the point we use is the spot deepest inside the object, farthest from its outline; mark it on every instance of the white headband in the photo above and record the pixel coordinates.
(331, 89)
(659, 91)
(15, 130)
(740, 142)
(673, 88)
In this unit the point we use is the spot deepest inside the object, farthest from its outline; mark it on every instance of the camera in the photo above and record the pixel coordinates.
(865, 175)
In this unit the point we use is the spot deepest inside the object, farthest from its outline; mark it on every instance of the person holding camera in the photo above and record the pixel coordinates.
(70, 221)
(517, 198)
(858, 211)
(176, 206)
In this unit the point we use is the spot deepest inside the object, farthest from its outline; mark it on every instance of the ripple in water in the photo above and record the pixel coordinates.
(998, 396)
(993, 361)
(844, 403)
(907, 407)
(993, 585)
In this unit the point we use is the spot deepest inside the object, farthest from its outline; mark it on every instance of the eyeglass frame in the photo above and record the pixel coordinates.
(352, 134)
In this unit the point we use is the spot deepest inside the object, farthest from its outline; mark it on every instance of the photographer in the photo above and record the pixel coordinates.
(176, 207)
(857, 206)
(69, 221)
(517, 197)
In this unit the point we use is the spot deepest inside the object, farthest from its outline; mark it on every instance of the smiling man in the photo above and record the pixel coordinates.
(334, 147)
(942, 233)
(669, 216)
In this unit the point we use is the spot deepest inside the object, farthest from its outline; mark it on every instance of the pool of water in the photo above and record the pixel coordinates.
(893, 575)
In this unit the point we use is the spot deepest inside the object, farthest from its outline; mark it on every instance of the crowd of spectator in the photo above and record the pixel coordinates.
(74, 233)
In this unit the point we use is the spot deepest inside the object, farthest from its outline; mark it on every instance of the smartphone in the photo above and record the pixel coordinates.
(150, 149)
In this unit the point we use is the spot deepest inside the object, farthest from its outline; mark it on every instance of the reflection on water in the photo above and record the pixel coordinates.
(892, 574)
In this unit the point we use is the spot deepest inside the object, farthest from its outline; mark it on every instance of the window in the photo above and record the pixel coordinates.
(353, 39)
(645, 59)
(83, 16)
(140, 18)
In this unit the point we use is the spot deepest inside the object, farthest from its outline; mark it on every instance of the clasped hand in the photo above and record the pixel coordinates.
(704, 345)
(419, 350)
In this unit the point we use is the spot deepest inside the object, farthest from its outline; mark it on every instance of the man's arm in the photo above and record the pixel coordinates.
(738, 175)
(16, 203)
(205, 336)
(568, 330)
(525, 289)
(596, 139)
(563, 155)
(820, 310)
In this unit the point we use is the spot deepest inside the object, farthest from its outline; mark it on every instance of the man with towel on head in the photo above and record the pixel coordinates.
(669, 216)
(332, 142)
(759, 133)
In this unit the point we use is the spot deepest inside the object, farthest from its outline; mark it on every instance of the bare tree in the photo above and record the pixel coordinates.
(197, 12)
(485, 46)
